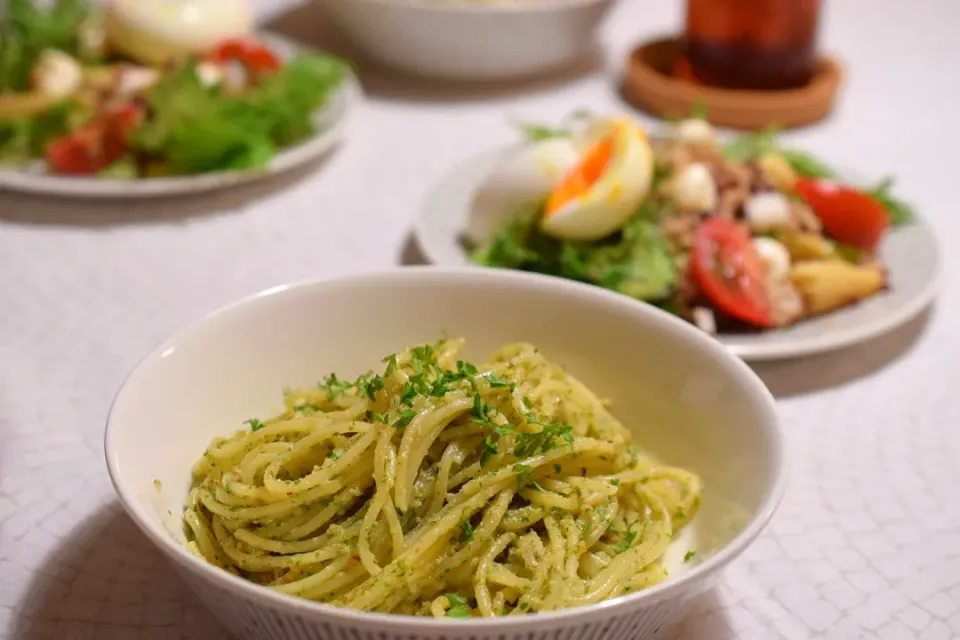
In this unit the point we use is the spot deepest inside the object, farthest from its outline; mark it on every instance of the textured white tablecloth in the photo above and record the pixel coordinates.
(867, 542)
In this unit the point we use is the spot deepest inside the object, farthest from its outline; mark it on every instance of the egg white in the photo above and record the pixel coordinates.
(157, 31)
(609, 202)
(524, 178)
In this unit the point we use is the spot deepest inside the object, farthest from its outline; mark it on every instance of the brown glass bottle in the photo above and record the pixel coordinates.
(751, 44)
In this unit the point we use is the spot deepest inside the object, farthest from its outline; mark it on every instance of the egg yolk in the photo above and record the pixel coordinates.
(581, 177)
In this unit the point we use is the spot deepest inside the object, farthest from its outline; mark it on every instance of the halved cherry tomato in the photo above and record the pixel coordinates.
(96, 145)
(255, 58)
(729, 272)
(848, 216)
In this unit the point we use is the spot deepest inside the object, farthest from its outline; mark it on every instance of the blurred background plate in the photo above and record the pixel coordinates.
(330, 122)
(911, 254)
(470, 40)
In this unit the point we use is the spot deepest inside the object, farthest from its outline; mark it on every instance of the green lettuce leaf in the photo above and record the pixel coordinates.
(636, 261)
(196, 129)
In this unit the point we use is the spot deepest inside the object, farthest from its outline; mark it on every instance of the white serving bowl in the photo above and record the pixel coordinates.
(686, 399)
(470, 40)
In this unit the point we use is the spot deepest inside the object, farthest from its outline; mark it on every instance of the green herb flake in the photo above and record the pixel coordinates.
(404, 419)
(627, 541)
(481, 410)
(688, 556)
(497, 382)
(370, 385)
(490, 449)
(459, 606)
(466, 529)
(523, 472)
(255, 425)
(373, 416)
(392, 365)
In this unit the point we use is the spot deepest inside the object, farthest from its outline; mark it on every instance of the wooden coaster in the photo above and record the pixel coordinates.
(648, 83)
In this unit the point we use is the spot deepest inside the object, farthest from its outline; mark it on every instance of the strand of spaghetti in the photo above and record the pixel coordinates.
(315, 580)
(417, 437)
(325, 473)
(375, 589)
(451, 454)
(480, 588)
(483, 532)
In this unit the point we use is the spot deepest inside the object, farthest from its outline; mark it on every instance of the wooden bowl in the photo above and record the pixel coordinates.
(649, 84)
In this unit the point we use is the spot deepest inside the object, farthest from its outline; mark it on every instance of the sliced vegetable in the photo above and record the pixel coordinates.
(848, 215)
(255, 58)
(806, 246)
(96, 145)
(777, 171)
(729, 272)
(827, 285)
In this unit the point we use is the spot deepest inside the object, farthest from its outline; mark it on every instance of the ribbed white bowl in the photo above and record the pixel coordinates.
(685, 398)
(469, 40)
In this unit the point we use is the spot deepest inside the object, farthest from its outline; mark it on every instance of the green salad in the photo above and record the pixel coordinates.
(76, 95)
(742, 234)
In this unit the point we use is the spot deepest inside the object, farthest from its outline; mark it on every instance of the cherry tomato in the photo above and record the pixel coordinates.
(255, 58)
(729, 272)
(96, 145)
(848, 216)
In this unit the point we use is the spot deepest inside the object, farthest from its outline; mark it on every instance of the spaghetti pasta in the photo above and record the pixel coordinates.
(441, 488)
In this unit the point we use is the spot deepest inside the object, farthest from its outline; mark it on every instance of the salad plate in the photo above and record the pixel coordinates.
(329, 127)
(909, 254)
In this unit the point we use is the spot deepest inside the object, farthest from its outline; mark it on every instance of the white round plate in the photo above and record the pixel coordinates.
(330, 123)
(911, 254)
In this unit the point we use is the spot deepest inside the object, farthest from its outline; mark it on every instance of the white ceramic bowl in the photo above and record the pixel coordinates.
(687, 400)
(470, 40)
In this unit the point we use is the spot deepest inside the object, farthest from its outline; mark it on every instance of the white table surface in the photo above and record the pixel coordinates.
(867, 542)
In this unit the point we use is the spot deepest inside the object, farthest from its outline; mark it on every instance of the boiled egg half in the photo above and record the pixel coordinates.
(591, 183)
(156, 31)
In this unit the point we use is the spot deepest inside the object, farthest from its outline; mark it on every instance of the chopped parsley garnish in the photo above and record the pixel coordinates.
(466, 369)
(335, 386)
(527, 402)
(679, 514)
(615, 482)
(373, 416)
(255, 425)
(523, 472)
(370, 384)
(459, 607)
(490, 449)
(532, 444)
(392, 365)
(404, 419)
(481, 410)
(497, 382)
(466, 529)
(627, 541)
(688, 556)
(557, 468)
